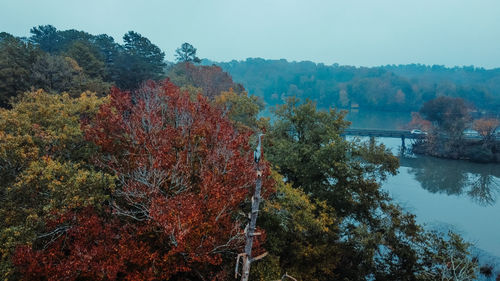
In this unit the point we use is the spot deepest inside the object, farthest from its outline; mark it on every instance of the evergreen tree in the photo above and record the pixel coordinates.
(47, 38)
(87, 57)
(139, 60)
(186, 53)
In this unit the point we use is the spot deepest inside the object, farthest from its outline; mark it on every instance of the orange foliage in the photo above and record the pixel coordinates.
(418, 122)
(212, 79)
(486, 126)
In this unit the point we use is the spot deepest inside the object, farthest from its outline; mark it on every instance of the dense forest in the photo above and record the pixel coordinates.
(391, 87)
(116, 165)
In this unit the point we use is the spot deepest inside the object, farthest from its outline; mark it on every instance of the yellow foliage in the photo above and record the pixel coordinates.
(192, 91)
(45, 166)
(300, 235)
(241, 109)
(73, 64)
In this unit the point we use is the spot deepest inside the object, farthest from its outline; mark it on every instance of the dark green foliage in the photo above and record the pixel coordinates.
(311, 154)
(5, 35)
(370, 237)
(139, 60)
(23, 65)
(109, 51)
(16, 59)
(88, 57)
(95, 54)
(75, 61)
(101, 58)
(68, 37)
(55, 73)
(54, 41)
(186, 53)
(47, 38)
(63, 74)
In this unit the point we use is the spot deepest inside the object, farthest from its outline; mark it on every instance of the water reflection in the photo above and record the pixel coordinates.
(481, 182)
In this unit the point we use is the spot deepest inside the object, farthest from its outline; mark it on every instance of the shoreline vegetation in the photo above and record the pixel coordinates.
(152, 178)
(477, 151)
(451, 132)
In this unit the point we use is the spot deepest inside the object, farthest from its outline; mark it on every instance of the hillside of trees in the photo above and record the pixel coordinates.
(115, 165)
(389, 88)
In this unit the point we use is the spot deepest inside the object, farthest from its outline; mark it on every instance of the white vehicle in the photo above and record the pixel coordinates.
(418, 132)
(471, 133)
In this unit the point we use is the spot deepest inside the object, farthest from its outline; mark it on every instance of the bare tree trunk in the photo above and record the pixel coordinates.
(285, 276)
(250, 229)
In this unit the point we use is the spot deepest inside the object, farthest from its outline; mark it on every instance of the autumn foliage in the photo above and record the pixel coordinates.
(211, 79)
(183, 172)
(87, 247)
(418, 122)
(486, 127)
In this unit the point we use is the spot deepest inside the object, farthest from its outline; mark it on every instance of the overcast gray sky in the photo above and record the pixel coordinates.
(353, 32)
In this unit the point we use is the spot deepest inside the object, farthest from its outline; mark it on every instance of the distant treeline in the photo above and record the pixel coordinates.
(74, 61)
(391, 87)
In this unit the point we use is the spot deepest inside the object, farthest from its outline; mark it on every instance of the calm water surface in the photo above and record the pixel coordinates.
(459, 195)
(443, 194)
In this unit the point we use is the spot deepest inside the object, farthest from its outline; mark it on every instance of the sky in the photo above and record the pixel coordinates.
(347, 32)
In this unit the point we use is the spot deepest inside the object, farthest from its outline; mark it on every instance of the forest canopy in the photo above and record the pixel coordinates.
(118, 165)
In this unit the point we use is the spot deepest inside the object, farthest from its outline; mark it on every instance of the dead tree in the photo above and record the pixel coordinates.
(247, 258)
(285, 276)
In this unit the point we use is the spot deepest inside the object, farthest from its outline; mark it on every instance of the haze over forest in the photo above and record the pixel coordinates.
(359, 33)
(135, 143)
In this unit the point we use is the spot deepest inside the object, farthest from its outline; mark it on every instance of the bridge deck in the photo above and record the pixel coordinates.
(403, 134)
(382, 133)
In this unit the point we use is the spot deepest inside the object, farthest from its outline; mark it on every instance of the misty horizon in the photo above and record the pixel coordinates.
(357, 33)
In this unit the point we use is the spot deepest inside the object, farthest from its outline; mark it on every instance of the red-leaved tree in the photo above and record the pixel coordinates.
(86, 245)
(184, 175)
(211, 79)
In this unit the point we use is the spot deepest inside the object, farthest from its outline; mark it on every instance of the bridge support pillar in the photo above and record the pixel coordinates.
(403, 142)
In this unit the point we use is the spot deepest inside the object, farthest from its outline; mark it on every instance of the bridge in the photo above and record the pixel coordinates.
(382, 133)
(403, 134)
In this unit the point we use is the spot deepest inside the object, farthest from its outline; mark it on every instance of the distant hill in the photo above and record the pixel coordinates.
(391, 87)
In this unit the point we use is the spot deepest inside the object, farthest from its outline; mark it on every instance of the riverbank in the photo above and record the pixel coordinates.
(478, 151)
(444, 194)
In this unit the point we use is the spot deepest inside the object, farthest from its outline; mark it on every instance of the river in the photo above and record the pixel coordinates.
(450, 194)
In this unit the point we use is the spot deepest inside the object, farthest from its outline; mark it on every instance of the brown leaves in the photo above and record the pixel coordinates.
(486, 126)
